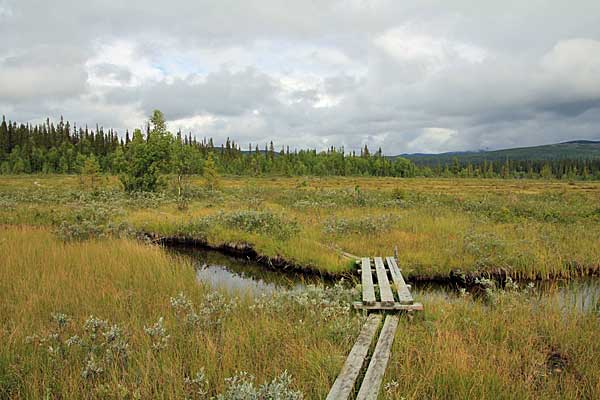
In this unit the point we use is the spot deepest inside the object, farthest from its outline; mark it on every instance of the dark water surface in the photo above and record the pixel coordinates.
(236, 274)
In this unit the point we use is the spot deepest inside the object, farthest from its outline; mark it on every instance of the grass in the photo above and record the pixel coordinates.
(130, 284)
(519, 347)
(510, 344)
(70, 250)
(530, 229)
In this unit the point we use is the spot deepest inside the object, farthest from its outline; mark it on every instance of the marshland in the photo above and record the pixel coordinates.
(226, 200)
(97, 302)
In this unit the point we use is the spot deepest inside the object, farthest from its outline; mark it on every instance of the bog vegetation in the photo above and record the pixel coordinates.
(524, 229)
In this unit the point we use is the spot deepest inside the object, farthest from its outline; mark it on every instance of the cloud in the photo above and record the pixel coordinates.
(573, 67)
(433, 140)
(42, 72)
(110, 74)
(220, 93)
(431, 54)
(428, 76)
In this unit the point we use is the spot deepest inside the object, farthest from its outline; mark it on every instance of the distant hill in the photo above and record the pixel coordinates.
(575, 149)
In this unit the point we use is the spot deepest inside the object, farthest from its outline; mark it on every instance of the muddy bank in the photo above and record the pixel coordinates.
(466, 279)
(246, 251)
(242, 276)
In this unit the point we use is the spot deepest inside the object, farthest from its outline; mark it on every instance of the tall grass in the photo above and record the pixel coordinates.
(130, 285)
(507, 345)
(516, 348)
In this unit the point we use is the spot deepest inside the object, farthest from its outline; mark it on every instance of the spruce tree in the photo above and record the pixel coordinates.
(210, 173)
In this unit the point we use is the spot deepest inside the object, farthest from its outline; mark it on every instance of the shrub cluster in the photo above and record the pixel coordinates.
(91, 221)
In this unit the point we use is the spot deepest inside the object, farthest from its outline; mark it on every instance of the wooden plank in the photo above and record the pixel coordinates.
(377, 306)
(368, 291)
(404, 295)
(371, 384)
(385, 290)
(394, 270)
(344, 384)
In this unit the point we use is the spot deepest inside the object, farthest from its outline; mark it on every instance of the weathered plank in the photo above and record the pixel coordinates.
(404, 295)
(368, 291)
(377, 306)
(344, 384)
(385, 290)
(394, 270)
(371, 384)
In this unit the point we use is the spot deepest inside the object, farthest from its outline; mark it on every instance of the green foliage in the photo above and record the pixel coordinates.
(242, 387)
(147, 159)
(93, 220)
(184, 162)
(90, 170)
(210, 173)
(57, 148)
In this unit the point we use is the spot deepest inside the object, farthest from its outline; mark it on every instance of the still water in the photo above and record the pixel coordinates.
(238, 275)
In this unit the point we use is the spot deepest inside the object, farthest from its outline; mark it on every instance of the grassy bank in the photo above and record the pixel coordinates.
(530, 229)
(111, 344)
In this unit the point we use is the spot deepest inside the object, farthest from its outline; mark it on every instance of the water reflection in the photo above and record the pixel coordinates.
(579, 294)
(238, 275)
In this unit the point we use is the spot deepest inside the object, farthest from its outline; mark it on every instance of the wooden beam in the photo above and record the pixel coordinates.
(377, 306)
(371, 384)
(404, 295)
(344, 384)
(368, 291)
(385, 290)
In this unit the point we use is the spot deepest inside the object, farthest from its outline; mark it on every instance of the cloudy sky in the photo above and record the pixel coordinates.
(409, 76)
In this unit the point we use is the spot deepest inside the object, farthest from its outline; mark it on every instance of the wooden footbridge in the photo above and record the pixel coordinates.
(381, 297)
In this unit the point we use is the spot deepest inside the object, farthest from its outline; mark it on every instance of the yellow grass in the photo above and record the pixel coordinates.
(531, 229)
(514, 347)
(130, 284)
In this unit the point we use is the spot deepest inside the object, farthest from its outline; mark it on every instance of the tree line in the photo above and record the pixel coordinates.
(564, 168)
(142, 157)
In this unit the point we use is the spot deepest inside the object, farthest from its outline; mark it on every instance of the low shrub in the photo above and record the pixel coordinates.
(264, 222)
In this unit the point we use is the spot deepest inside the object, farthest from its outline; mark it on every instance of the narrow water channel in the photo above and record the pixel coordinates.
(581, 294)
(238, 275)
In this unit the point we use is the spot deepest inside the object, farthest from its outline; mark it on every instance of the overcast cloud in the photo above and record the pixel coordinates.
(418, 76)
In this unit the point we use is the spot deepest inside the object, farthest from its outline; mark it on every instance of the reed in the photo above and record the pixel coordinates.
(519, 347)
